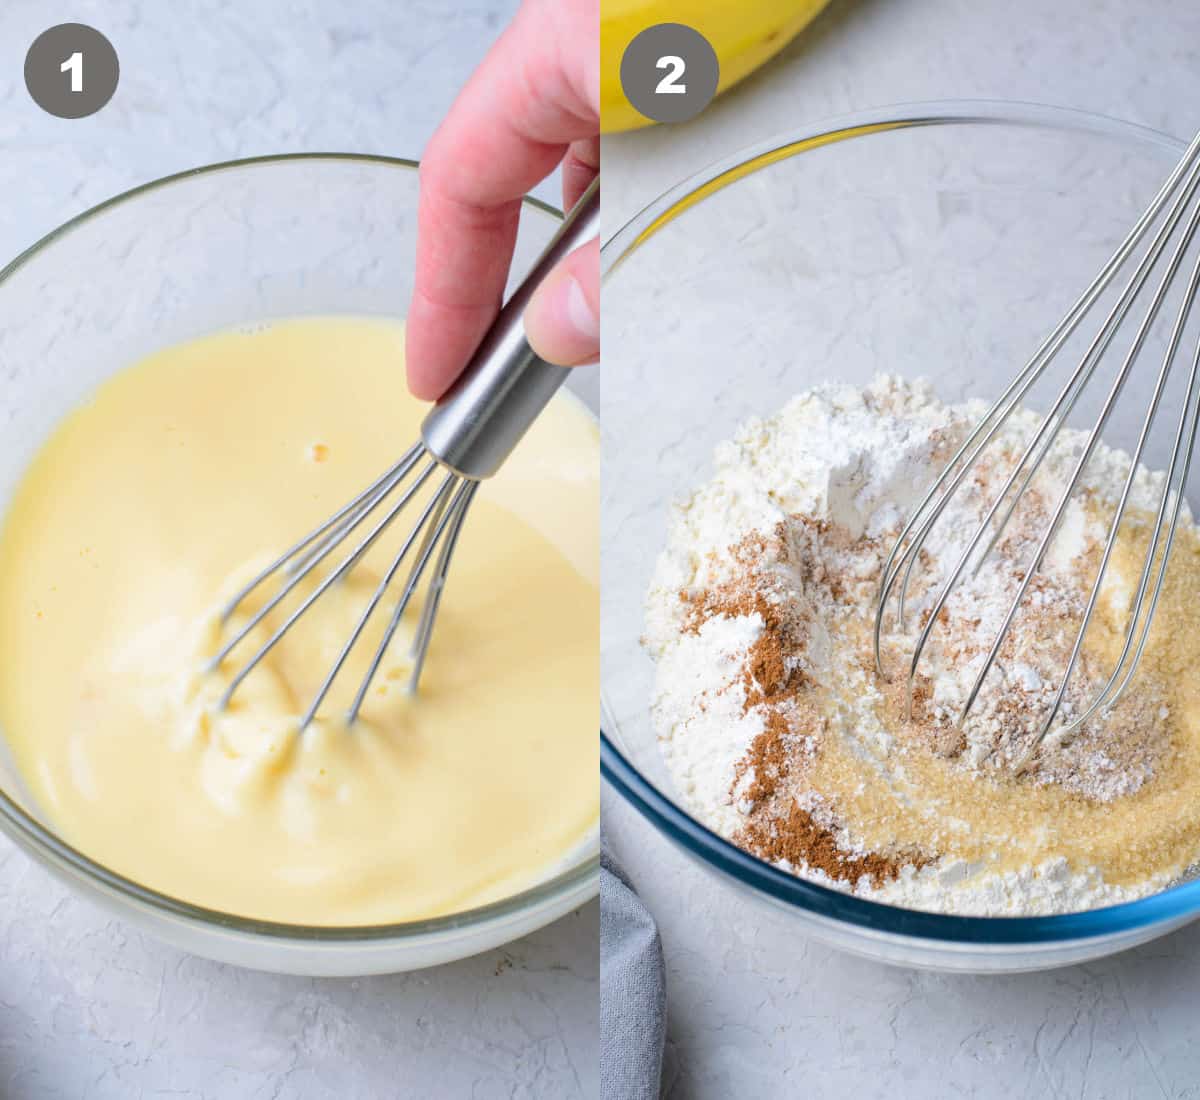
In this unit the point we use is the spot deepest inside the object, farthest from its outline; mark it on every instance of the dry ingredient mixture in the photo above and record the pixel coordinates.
(780, 735)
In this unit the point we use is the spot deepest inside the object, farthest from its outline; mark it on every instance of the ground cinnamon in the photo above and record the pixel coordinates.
(777, 827)
(798, 839)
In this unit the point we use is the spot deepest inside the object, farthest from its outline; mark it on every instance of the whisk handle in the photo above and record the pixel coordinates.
(481, 418)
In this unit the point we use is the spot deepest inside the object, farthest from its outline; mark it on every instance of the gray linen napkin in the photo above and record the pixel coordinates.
(633, 996)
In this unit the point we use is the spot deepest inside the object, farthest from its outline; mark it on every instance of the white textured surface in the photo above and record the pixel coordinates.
(756, 1009)
(88, 1008)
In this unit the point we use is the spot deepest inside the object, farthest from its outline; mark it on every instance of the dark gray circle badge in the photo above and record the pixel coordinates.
(669, 72)
(71, 70)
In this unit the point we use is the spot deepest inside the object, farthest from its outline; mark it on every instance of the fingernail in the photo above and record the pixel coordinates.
(582, 318)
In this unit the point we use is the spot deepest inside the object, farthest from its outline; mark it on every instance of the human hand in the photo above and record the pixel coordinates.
(534, 102)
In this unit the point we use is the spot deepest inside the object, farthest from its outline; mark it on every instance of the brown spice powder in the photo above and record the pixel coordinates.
(767, 762)
(771, 773)
(799, 839)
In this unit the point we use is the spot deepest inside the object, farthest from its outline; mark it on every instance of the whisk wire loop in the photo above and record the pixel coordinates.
(1123, 501)
(1185, 440)
(1093, 438)
(956, 469)
(308, 557)
(1050, 427)
(325, 585)
(437, 585)
(454, 515)
(433, 510)
(1176, 199)
(334, 521)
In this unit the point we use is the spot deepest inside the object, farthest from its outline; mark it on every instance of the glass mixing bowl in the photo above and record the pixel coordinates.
(941, 240)
(219, 247)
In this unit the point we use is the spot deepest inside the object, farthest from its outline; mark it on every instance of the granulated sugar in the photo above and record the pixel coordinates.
(780, 735)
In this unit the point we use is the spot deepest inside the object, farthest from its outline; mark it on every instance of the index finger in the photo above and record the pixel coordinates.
(535, 93)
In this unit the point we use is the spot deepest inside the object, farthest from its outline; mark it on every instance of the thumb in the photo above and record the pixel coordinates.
(562, 320)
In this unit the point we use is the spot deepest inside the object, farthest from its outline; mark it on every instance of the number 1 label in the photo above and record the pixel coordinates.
(74, 66)
(60, 87)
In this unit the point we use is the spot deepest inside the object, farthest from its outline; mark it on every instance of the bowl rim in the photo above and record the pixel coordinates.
(1176, 903)
(581, 880)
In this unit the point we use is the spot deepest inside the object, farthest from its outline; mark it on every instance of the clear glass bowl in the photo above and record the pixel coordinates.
(941, 240)
(219, 247)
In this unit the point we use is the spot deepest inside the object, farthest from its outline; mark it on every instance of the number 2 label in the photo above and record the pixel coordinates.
(669, 84)
(74, 66)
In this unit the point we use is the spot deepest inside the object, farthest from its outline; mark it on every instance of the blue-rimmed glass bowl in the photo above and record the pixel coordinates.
(940, 240)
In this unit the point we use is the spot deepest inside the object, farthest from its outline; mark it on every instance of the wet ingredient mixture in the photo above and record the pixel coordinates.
(780, 735)
(152, 504)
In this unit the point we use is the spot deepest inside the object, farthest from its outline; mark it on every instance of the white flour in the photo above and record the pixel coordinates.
(862, 460)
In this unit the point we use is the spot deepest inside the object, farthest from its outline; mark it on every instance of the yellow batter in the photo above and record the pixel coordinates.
(146, 510)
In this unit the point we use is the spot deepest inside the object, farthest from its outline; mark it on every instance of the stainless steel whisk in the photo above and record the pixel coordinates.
(1172, 207)
(465, 438)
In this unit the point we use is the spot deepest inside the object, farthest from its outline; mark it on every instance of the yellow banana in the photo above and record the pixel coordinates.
(744, 33)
